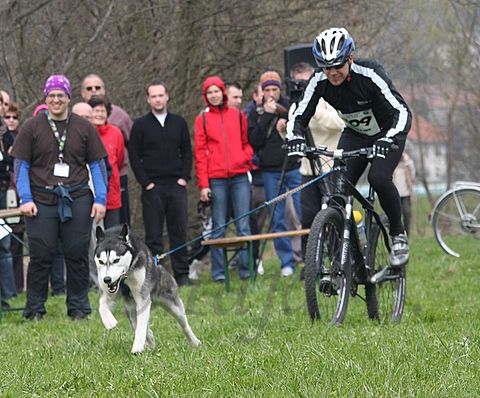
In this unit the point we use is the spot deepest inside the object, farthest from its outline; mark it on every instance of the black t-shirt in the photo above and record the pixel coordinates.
(36, 144)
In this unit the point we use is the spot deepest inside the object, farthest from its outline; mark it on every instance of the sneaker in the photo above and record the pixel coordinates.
(287, 271)
(35, 317)
(399, 254)
(77, 315)
(194, 268)
(260, 269)
(184, 281)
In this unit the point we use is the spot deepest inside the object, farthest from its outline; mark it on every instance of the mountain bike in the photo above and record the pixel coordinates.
(455, 218)
(336, 263)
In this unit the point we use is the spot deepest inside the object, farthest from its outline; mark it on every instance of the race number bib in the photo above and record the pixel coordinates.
(362, 122)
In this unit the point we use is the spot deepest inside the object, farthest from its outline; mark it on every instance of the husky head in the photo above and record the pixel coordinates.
(113, 256)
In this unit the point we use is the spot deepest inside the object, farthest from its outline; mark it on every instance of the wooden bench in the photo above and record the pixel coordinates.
(235, 244)
(14, 212)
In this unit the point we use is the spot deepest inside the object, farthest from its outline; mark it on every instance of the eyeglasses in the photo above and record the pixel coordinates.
(90, 88)
(10, 117)
(60, 96)
(337, 67)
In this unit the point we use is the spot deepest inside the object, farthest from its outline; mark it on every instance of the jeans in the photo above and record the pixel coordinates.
(271, 181)
(236, 189)
(7, 278)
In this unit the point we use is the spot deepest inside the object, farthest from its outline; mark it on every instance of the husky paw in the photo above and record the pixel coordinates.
(137, 348)
(109, 321)
(195, 342)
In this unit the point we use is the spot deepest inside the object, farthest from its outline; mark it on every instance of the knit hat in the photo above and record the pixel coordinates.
(270, 78)
(57, 82)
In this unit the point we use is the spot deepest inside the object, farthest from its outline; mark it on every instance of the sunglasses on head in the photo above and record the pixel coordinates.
(337, 67)
(90, 88)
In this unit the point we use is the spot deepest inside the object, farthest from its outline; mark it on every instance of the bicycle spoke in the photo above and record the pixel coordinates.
(456, 221)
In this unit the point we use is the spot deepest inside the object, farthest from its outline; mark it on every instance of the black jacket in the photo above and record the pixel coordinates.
(368, 102)
(160, 154)
(6, 164)
(267, 141)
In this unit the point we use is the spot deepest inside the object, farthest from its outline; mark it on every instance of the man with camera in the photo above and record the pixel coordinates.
(266, 133)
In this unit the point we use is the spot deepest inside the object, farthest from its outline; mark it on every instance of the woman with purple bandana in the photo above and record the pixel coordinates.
(51, 153)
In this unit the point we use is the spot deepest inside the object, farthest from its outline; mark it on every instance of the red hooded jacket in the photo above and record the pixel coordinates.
(221, 142)
(112, 138)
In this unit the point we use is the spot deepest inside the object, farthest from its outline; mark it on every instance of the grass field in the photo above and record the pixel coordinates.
(262, 344)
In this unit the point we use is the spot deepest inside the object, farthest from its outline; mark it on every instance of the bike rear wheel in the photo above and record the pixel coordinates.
(323, 273)
(456, 221)
(386, 297)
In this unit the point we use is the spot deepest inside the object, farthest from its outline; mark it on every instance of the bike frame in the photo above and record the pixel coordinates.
(350, 246)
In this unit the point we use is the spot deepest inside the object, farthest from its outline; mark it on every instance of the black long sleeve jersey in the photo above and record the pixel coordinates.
(368, 102)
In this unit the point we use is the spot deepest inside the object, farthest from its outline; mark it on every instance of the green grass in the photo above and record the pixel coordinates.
(262, 344)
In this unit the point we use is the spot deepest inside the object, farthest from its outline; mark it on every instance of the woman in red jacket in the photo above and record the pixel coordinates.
(112, 138)
(222, 160)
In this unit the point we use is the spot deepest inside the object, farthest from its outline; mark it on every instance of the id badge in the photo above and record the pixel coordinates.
(61, 170)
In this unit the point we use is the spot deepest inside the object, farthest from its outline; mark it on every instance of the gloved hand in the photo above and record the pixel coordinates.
(382, 147)
(296, 146)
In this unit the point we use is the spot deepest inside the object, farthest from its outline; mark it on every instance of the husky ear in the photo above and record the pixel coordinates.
(124, 233)
(99, 233)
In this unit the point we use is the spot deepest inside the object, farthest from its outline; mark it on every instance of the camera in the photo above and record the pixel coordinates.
(295, 88)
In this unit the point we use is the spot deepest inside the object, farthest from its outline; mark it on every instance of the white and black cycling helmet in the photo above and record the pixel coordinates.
(332, 47)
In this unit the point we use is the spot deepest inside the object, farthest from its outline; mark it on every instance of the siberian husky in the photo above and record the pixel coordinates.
(124, 263)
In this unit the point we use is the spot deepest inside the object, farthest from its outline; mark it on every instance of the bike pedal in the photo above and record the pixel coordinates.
(379, 276)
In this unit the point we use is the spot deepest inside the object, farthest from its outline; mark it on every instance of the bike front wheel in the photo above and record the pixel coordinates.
(327, 285)
(385, 296)
(456, 221)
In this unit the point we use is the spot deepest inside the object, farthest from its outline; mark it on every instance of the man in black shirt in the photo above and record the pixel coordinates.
(161, 158)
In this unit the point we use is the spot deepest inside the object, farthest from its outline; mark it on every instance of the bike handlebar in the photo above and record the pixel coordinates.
(341, 154)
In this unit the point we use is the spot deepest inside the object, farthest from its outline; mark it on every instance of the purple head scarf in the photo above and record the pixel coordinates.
(57, 82)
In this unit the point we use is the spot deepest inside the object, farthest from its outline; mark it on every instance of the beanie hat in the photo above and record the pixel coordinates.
(270, 78)
(57, 82)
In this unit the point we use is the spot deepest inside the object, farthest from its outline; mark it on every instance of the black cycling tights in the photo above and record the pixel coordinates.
(379, 175)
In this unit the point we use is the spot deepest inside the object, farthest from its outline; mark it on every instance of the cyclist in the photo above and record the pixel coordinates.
(375, 114)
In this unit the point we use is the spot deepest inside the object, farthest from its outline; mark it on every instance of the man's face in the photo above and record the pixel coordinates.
(6, 101)
(92, 86)
(157, 98)
(57, 102)
(337, 76)
(272, 92)
(83, 110)
(302, 75)
(235, 97)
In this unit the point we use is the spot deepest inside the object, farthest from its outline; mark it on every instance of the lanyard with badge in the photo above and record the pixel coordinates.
(61, 169)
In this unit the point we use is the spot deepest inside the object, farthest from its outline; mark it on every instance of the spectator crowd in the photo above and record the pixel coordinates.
(66, 167)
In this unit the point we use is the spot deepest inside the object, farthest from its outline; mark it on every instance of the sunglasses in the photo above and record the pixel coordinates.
(11, 117)
(337, 67)
(91, 88)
